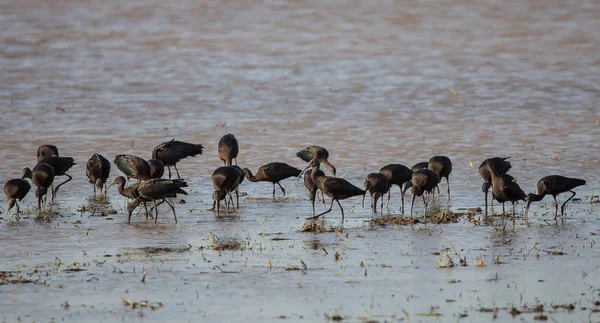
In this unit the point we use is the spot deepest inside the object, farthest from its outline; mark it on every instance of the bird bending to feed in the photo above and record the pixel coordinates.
(42, 177)
(312, 188)
(423, 180)
(502, 165)
(505, 189)
(226, 179)
(273, 173)
(61, 165)
(334, 187)
(442, 166)
(554, 185)
(377, 185)
(228, 149)
(133, 167)
(416, 167)
(97, 170)
(156, 189)
(45, 151)
(318, 153)
(157, 168)
(396, 174)
(15, 190)
(171, 152)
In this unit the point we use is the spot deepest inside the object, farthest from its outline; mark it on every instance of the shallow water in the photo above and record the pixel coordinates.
(376, 83)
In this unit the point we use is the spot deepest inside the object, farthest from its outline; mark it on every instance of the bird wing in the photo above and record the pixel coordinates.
(172, 151)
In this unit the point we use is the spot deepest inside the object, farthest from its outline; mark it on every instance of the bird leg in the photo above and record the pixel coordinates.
(513, 215)
(402, 207)
(173, 208)
(175, 166)
(555, 208)
(485, 195)
(503, 208)
(341, 208)
(237, 195)
(169, 169)
(412, 205)
(330, 208)
(155, 211)
(448, 182)
(283, 189)
(562, 208)
(273, 190)
(61, 184)
(146, 208)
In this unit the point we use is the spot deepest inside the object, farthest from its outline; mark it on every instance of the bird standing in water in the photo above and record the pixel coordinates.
(228, 149)
(156, 189)
(312, 188)
(502, 165)
(97, 170)
(554, 185)
(318, 153)
(423, 180)
(226, 179)
(505, 189)
(42, 176)
(377, 185)
(15, 190)
(273, 173)
(396, 175)
(171, 152)
(442, 166)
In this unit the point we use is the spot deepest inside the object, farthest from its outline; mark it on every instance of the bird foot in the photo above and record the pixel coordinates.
(313, 217)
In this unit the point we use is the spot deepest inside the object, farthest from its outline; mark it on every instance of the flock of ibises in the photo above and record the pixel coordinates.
(423, 179)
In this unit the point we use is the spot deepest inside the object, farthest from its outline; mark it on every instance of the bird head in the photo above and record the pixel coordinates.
(120, 180)
(27, 173)
(218, 195)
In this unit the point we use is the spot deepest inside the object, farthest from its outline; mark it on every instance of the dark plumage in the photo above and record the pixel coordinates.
(133, 167)
(225, 180)
(61, 165)
(157, 168)
(273, 173)
(318, 153)
(377, 185)
(505, 189)
(442, 166)
(423, 180)
(397, 174)
(45, 151)
(97, 170)
(228, 149)
(42, 176)
(15, 190)
(312, 187)
(414, 168)
(334, 187)
(156, 189)
(171, 152)
(554, 185)
(501, 165)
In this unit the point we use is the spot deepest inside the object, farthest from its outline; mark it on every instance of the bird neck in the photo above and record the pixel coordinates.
(314, 172)
(249, 175)
(535, 197)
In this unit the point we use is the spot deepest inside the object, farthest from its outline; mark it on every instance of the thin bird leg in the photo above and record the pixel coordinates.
(169, 169)
(387, 205)
(173, 208)
(283, 189)
(313, 205)
(412, 205)
(341, 208)
(562, 208)
(485, 195)
(61, 184)
(425, 214)
(18, 208)
(235, 161)
(402, 207)
(40, 204)
(323, 200)
(237, 197)
(513, 215)
(146, 208)
(555, 208)
(175, 166)
(448, 182)
(317, 216)
(273, 190)
(218, 207)
(94, 190)
(503, 208)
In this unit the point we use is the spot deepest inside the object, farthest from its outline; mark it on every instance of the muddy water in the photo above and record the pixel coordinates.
(374, 83)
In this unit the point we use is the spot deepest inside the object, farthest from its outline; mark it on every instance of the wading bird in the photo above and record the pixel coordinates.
(226, 179)
(45, 151)
(318, 153)
(42, 177)
(228, 149)
(334, 187)
(97, 170)
(312, 188)
(273, 173)
(416, 167)
(171, 152)
(504, 189)
(61, 166)
(15, 190)
(442, 166)
(423, 180)
(157, 189)
(157, 168)
(501, 165)
(377, 185)
(133, 167)
(397, 175)
(554, 185)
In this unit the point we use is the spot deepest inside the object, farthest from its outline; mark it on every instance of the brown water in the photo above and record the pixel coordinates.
(375, 83)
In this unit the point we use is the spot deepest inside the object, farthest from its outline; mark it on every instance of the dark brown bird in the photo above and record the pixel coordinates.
(312, 188)
(442, 166)
(171, 152)
(416, 167)
(133, 167)
(377, 185)
(97, 170)
(42, 176)
(228, 149)
(61, 165)
(397, 174)
(505, 189)
(15, 190)
(45, 151)
(423, 180)
(226, 179)
(157, 168)
(319, 153)
(554, 185)
(157, 189)
(334, 187)
(501, 165)
(273, 173)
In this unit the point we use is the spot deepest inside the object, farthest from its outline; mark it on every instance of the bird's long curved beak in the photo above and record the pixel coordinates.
(109, 186)
(302, 172)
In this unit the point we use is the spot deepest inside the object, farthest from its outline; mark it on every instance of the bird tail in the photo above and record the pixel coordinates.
(195, 150)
